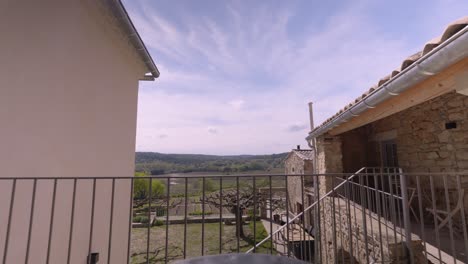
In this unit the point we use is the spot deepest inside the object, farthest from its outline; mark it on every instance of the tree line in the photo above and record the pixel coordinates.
(158, 163)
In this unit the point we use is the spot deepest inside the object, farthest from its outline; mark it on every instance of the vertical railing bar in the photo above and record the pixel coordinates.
(355, 196)
(220, 215)
(447, 204)
(185, 216)
(203, 217)
(341, 224)
(406, 212)
(239, 216)
(431, 181)
(398, 204)
(254, 214)
(31, 219)
(335, 249)
(393, 208)
(348, 209)
(52, 216)
(109, 249)
(317, 246)
(364, 217)
(385, 209)
(287, 215)
(462, 212)
(10, 213)
(91, 229)
(303, 220)
(130, 221)
(271, 218)
(379, 212)
(324, 229)
(328, 250)
(369, 210)
(421, 216)
(168, 200)
(72, 221)
(148, 235)
(309, 203)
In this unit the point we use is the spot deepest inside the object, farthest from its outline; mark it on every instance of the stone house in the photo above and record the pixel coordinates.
(300, 162)
(416, 119)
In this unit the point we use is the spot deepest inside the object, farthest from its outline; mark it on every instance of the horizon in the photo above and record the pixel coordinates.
(236, 77)
(201, 154)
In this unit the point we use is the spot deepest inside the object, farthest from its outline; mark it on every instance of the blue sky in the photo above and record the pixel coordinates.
(236, 76)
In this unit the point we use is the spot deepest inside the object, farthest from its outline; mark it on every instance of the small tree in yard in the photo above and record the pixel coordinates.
(238, 203)
(159, 198)
(141, 187)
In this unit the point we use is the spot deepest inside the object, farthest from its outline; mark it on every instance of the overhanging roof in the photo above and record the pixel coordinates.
(118, 10)
(436, 55)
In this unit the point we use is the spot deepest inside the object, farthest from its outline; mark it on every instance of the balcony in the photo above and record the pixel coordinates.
(376, 215)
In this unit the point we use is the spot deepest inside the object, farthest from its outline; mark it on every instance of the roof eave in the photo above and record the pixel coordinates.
(453, 49)
(119, 11)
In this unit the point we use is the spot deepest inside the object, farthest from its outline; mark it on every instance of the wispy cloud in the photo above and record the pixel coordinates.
(249, 71)
(297, 127)
(212, 130)
(237, 104)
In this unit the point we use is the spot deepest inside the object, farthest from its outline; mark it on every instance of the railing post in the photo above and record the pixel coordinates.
(317, 241)
(406, 219)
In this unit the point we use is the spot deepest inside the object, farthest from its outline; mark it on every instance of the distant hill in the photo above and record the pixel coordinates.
(159, 163)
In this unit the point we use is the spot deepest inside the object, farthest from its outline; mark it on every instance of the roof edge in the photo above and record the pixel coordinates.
(119, 11)
(419, 70)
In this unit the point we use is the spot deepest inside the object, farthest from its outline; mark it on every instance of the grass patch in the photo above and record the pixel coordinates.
(200, 213)
(211, 244)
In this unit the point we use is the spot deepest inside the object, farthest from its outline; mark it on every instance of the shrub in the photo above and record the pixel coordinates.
(158, 223)
(137, 219)
(141, 187)
(160, 211)
(144, 220)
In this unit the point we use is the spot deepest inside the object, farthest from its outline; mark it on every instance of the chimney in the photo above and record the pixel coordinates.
(298, 147)
(311, 116)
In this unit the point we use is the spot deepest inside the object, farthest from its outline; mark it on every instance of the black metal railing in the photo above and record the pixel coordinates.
(376, 215)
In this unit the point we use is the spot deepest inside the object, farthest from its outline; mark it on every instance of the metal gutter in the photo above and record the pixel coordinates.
(119, 11)
(447, 53)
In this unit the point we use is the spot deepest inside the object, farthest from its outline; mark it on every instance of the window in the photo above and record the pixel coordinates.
(389, 153)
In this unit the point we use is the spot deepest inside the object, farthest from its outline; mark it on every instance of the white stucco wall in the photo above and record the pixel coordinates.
(68, 102)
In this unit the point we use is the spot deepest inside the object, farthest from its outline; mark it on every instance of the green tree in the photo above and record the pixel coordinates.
(141, 187)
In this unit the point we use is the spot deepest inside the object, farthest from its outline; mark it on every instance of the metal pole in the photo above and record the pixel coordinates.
(406, 219)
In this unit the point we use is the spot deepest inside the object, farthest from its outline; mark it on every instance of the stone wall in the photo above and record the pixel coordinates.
(296, 165)
(348, 233)
(329, 160)
(424, 144)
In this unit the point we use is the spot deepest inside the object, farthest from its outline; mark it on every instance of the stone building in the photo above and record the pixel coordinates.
(416, 119)
(300, 162)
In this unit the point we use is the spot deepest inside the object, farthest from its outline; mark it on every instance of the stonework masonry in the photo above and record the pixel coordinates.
(429, 137)
(344, 235)
(329, 160)
(296, 165)
(424, 143)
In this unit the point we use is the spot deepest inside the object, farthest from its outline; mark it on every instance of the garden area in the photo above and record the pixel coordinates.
(193, 236)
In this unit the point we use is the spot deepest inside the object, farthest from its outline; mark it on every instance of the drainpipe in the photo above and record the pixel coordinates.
(447, 53)
(312, 144)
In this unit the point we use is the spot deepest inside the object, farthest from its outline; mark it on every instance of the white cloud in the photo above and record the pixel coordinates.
(252, 62)
(237, 104)
(297, 127)
(212, 130)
